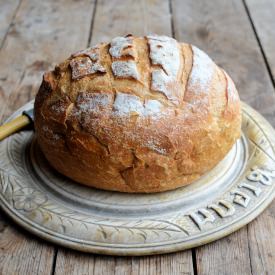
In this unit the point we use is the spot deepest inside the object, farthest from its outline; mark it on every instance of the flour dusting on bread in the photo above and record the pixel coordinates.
(92, 52)
(232, 96)
(127, 104)
(83, 66)
(87, 102)
(122, 46)
(202, 71)
(154, 146)
(86, 62)
(125, 69)
(164, 51)
(138, 114)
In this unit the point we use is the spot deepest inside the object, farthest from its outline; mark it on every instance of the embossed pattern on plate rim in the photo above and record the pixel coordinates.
(145, 249)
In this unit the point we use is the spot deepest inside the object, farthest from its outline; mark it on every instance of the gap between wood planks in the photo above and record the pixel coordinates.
(171, 18)
(54, 259)
(194, 261)
(92, 24)
(259, 43)
(249, 251)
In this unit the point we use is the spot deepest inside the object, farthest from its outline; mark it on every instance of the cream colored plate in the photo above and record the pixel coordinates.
(55, 208)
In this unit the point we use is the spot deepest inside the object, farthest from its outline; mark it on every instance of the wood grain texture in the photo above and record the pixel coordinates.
(20, 253)
(261, 241)
(116, 17)
(7, 12)
(262, 15)
(227, 256)
(35, 40)
(113, 18)
(175, 263)
(69, 262)
(223, 30)
(66, 262)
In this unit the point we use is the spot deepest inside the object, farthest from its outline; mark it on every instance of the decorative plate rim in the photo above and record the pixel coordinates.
(218, 232)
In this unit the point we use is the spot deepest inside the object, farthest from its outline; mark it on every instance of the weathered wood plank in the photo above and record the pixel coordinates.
(262, 242)
(20, 253)
(262, 15)
(223, 30)
(114, 18)
(227, 256)
(175, 263)
(67, 259)
(42, 33)
(7, 12)
(69, 262)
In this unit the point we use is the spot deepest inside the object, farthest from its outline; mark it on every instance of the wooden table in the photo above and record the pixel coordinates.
(238, 35)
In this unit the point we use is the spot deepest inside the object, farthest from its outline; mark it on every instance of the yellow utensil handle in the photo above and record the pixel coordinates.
(13, 126)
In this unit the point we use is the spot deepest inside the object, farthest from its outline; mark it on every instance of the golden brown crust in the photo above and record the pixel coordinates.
(149, 123)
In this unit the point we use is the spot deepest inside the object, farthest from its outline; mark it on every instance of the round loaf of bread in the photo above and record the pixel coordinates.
(139, 114)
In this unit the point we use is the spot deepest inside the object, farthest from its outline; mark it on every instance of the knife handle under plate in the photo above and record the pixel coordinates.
(13, 126)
